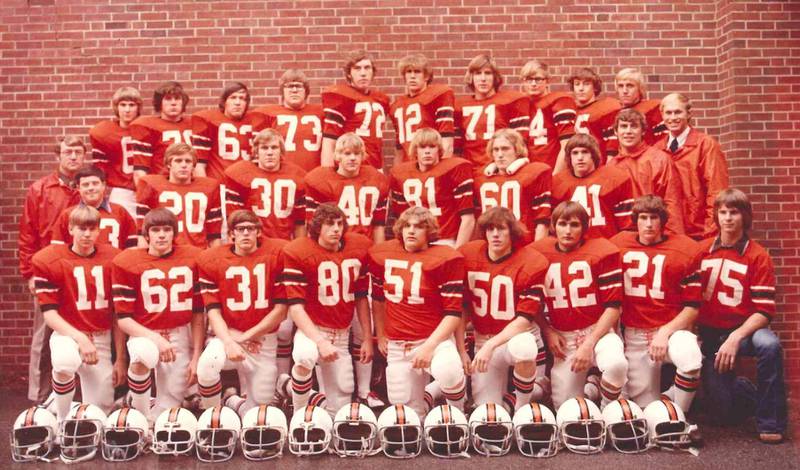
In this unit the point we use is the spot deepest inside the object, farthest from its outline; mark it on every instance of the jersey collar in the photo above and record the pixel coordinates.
(491, 169)
(740, 246)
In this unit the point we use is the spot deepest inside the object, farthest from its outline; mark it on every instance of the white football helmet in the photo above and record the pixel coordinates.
(400, 432)
(667, 424)
(217, 433)
(310, 431)
(355, 431)
(446, 432)
(536, 431)
(491, 429)
(81, 432)
(264, 430)
(125, 435)
(33, 435)
(581, 425)
(174, 432)
(626, 426)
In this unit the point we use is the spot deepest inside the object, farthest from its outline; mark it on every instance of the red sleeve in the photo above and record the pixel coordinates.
(450, 276)
(336, 109)
(519, 116)
(293, 278)
(314, 198)
(61, 233)
(146, 199)
(609, 279)
(299, 210)
(209, 287)
(142, 147)
(213, 216)
(564, 117)
(128, 231)
(278, 288)
(462, 182)
(691, 284)
(379, 214)
(668, 186)
(397, 202)
(29, 236)
(530, 297)
(99, 152)
(444, 108)
(376, 274)
(762, 285)
(235, 193)
(201, 138)
(624, 204)
(124, 288)
(46, 284)
(541, 205)
(361, 287)
(714, 170)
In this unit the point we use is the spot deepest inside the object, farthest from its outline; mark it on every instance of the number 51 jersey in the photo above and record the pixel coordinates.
(159, 292)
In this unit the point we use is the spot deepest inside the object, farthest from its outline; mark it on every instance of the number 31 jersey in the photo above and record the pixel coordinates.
(159, 292)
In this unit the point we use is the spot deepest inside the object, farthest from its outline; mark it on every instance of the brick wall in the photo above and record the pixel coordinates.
(738, 61)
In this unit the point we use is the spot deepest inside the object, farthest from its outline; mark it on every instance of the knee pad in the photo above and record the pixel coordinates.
(522, 347)
(398, 382)
(305, 353)
(211, 362)
(446, 367)
(684, 351)
(610, 358)
(64, 354)
(143, 350)
(285, 330)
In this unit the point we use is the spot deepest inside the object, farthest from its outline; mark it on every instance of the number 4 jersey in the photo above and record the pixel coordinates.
(159, 292)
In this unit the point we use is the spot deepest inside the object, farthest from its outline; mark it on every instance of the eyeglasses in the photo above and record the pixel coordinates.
(242, 229)
(293, 86)
(535, 79)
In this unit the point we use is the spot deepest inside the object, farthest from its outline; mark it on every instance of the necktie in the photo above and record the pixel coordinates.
(673, 146)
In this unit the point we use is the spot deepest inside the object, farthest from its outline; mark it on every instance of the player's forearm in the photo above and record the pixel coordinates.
(269, 323)
(300, 318)
(200, 170)
(119, 340)
(515, 327)
(684, 320)
(604, 324)
(362, 310)
(444, 330)
(378, 317)
(198, 327)
(326, 155)
(447, 145)
(218, 325)
(542, 230)
(57, 323)
(131, 327)
(561, 163)
(465, 229)
(461, 335)
(753, 323)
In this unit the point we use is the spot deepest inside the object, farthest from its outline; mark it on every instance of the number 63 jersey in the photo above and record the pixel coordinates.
(159, 292)
(580, 284)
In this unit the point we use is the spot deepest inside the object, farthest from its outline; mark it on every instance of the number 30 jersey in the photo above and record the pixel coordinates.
(582, 283)
(244, 288)
(418, 288)
(159, 292)
(78, 287)
(499, 291)
(659, 279)
(349, 110)
(327, 282)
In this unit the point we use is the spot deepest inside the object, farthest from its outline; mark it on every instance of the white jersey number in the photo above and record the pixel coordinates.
(336, 282)
(501, 292)
(292, 122)
(83, 302)
(359, 207)
(721, 270)
(370, 108)
(276, 197)
(228, 145)
(505, 195)
(538, 132)
(582, 278)
(641, 264)
(413, 193)
(157, 298)
(242, 277)
(407, 121)
(589, 198)
(398, 282)
(474, 114)
(190, 209)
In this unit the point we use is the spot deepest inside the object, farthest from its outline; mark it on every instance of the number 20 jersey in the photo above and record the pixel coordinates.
(159, 292)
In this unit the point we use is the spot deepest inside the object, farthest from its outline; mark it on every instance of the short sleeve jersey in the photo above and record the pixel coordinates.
(78, 287)
(432, 108)
(113, 152)
(158, 292)
(419, 289)
(582, 283)
(151, 136)
(349, 110)
(221, 141)
(276, 197)
(476, 121)
(606, 194)
(524, 189)
(117, 227)
(445, 190)
(362, 198)
(243, 288)
(499, 291)
(326, 282)
(552, 121)
(301, 130)
(597, 119)
(659, 279)
(196, 205)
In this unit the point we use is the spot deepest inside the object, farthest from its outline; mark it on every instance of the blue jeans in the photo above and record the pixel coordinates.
(731, 397)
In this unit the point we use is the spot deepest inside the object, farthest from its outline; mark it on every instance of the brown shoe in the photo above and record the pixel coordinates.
(770, 437)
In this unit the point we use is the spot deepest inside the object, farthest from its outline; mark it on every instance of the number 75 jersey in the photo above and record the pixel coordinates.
(582, 283)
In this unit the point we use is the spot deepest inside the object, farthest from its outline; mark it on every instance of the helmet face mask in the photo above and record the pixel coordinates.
(81, 433)
(33, 435)
(629, 437)
(263, 433)
(124, 435)
(491, 430)
(581, 425)
(537, 439)
(355, 431)
(310, 431)
(217, 434)
(446, 432)
(174, 432)
(672, 435)
(400, 432)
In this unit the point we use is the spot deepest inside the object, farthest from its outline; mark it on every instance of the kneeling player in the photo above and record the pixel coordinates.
(73, 286)
(416, 299)
(244, 307)
(505, 283)
(158, 306)
(583, 289)
(662, 298)
(325, 279)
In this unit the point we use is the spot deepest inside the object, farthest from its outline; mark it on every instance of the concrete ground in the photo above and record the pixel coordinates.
(726, 448)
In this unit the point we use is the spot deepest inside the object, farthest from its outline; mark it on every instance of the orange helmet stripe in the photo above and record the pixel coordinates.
(29, 416)
(536, 410)
(673, 413)
(354, 411)
(627, 413)
(81, 410)
(584, 408)
(215, 417)
(309, 413)
(400, 411)
(446, 414)
(491, 413)
(123, 416)
(262, 415)
(173, 415)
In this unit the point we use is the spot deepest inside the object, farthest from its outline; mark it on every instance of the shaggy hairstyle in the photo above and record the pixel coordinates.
(84, 217)
(586, 74)
(416, 61)
(178, 148)
(531, 67)
(266, 136)
(294, 75)
(567, 210)
(735, 199)
(69, 141)
(501, 217)
(585, 141)
(635, 76)
(160, 217)
(169, 89)
(126, 93)
(630, 115)
(231, 88)
(325, 213)
(514, 138)
(426, 219)
(354, 57)
(425, 137)
(475, 66)
(649, 204)
(349, 141)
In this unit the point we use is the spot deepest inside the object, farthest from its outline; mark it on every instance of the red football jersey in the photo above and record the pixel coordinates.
(113, 150)
(445, 189)
(301, 130)
(552, 121)
(498, 291)
(363, 198)
(524, 190)
(244, 288)
(659, 280)
(79, 287)
(433, 108)
(419, 288)
(278, 198)
(477, 120)
(327, 282)
(582, 283)
(656, 129)
(196, 205)
(606, 194)
(159, 292)
(221, 141)
(152, 135)
(348, 110)
(597, 119)
(737, 281)
(117, 227)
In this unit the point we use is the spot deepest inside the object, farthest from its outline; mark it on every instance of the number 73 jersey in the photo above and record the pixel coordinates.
(159, 292)
(582, 283)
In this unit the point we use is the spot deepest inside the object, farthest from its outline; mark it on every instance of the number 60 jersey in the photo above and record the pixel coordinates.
(159, 292)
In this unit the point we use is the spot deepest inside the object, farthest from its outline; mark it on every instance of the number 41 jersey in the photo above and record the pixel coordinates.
(159, 292)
